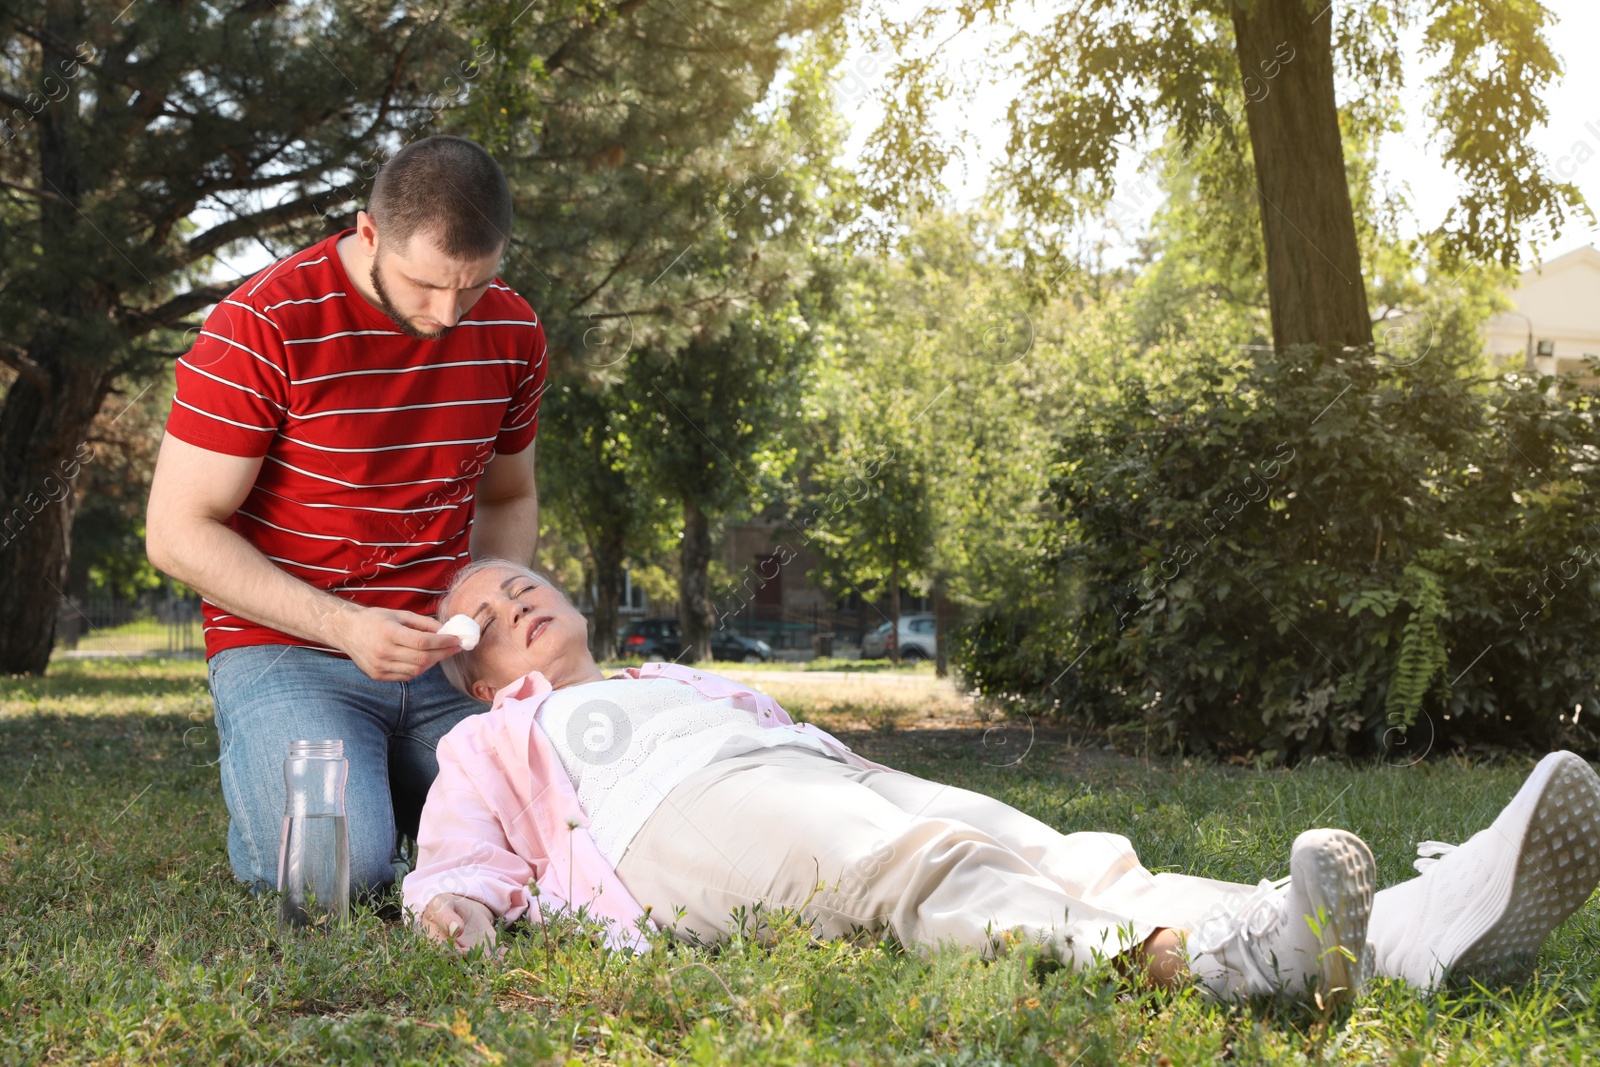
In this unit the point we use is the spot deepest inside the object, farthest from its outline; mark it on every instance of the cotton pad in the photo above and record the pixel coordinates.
(464, 627)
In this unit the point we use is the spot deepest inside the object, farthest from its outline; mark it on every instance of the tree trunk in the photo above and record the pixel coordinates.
(42, 449)
(609, 558)
(1314, 279)
(50, 407)
(941, 647)
(894, 613)
(695, 614)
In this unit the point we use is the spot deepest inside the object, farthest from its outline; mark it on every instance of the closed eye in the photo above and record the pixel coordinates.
(483, 629)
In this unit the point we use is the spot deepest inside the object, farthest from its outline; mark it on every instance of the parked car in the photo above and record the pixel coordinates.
(916, 638)
(661, 639)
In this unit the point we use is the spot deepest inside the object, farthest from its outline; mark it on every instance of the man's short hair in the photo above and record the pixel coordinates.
(447, 188)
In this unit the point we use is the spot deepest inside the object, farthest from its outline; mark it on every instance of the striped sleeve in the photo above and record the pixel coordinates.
(521, 420)
(233, 385)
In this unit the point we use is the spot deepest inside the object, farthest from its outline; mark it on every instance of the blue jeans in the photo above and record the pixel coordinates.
(269, 695)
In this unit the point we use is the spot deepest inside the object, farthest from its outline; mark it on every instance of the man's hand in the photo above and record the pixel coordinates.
(391, 645)
(462, 921)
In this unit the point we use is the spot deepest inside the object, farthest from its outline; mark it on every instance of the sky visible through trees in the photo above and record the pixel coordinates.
(1574, 104)
(978, 125)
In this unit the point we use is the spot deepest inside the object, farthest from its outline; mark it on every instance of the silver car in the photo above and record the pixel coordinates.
(916, 638)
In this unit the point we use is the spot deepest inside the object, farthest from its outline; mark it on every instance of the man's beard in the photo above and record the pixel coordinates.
(396, 314)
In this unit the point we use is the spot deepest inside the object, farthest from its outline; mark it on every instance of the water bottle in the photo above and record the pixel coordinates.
(314, 858)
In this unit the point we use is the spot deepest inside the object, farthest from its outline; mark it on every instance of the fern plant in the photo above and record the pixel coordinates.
(1422, 656)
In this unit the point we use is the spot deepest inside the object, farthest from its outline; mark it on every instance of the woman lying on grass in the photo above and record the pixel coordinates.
(672, 793)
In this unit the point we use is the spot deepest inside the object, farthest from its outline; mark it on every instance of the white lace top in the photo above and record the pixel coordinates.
(625, 742)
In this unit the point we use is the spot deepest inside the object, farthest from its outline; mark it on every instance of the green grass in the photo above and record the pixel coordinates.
(126, 941)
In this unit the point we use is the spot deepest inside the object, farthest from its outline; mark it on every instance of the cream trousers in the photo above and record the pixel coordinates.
(931, 863)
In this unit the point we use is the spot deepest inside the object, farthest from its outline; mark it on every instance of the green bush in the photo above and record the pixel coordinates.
(1311, 553)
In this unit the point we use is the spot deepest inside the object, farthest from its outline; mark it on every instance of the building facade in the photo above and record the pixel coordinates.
(1554, 322)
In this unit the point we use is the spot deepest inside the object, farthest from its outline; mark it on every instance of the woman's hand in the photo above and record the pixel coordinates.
(464, 922)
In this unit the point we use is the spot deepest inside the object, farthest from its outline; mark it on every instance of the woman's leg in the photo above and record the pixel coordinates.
(772, 827)
(1101, 869)
(791, 828)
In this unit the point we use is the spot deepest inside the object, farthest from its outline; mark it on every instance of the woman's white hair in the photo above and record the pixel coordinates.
(461, 669)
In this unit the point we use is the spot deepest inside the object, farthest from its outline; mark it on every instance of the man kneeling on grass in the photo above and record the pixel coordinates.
(670, 792)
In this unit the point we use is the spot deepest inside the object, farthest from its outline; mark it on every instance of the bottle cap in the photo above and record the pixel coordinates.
(316, 750)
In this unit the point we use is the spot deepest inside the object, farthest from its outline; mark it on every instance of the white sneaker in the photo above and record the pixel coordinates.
(1487, 905)
(1305, 935)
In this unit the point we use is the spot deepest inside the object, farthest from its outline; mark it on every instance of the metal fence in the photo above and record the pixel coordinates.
(820, 631)
(159, 622)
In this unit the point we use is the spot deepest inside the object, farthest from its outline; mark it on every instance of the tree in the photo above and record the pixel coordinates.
(714, 423)
(590, 466)
(266, 122)
(944, 382)
(873, 519)
(1113, 72)
(121, 127)
(108, 530)
(652, 204)
(635, 157)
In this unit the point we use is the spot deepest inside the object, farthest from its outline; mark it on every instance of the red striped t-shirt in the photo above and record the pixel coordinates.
(373, 440)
